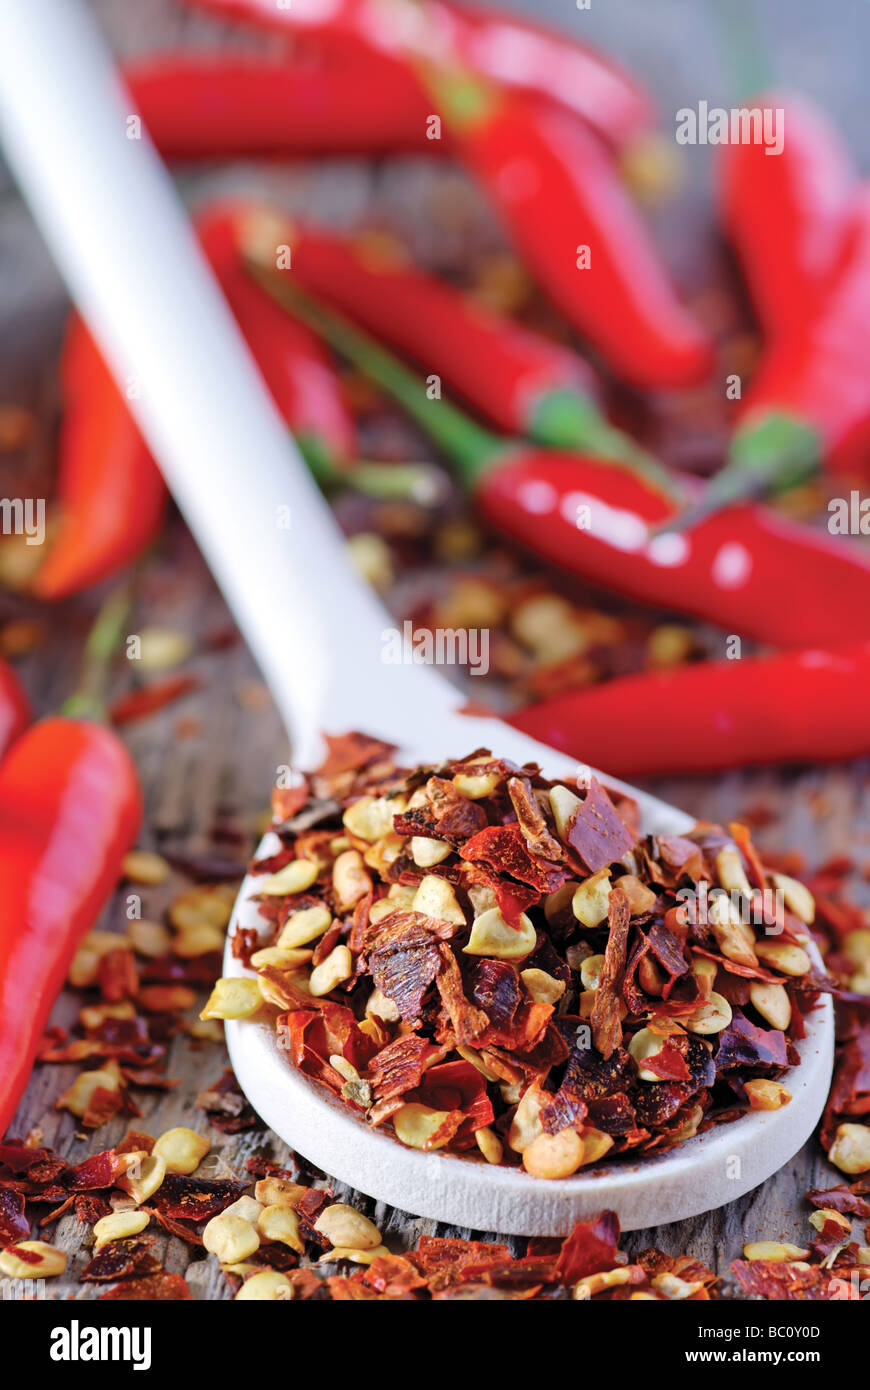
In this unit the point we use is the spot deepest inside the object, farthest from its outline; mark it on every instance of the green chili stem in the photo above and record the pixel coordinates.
(422, 483)
(563, 419)
(88, 700)
(742, 40)
(776, 453)
(473, 449)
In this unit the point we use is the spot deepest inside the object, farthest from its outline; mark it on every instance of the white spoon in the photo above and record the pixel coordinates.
(121, 239)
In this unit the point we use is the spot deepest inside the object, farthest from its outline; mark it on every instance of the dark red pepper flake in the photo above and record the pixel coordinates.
(780, 1280)
(195, 1199)
(842, 1199)
(129, 1258)
(504, 849)
(158, 1287)
(404, 970)
(14, 1225)
(495, 988)
(90, 1208)
(97, 1171)
(606, 1019)
(590, 1248)
(227, 1107)
(743, 1044)
(351, 752)
(206, 867)
(399, 1066)
(596, 832)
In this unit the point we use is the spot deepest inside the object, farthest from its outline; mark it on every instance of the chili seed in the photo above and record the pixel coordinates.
(181, 1149)
(50, 1261)
(345, 1226)
(266, 1286)
(233, 998)
(492, 936)
(850, 1151)
(554, 1155)
(119, 1226)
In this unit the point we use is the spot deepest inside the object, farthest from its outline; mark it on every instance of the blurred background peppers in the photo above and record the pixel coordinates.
(784, 707)
(520, 380)
(800, 226)
(746, 569)
(546, 128)
(204, 106)
(110, 496)
(507, 48)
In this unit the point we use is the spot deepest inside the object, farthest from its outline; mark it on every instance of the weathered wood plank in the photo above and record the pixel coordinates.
(227, 750)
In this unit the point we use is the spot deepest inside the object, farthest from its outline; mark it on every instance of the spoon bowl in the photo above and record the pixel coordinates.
(700, 1174)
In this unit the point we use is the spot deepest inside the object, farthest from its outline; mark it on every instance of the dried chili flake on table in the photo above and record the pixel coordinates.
(780, 1280)
(158, 1287)
(14, 1225)
(122, 1259)
(194, 1199)
(477, 948)
(226, 1106)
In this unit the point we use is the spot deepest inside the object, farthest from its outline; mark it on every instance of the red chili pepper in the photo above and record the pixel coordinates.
(70, 807)
(562, 200)
(747, 569)
(788, 215)
(523, 55)
(790, 706)
(509, 373)
(301, 377)
(515, 53)
(208, 106)
(819, 378)
(295, 367)
(111, 495)
(809, 402)
(523, 382)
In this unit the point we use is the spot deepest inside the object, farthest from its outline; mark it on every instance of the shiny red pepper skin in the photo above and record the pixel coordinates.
(554, 66)
(749, 570)
(294, 365)
(502, 369)
(70, 807)
(558, 191)
(208, 106)
(704, 717)
(517, 54)
(818, 375)
(788, 215)
(110, 492)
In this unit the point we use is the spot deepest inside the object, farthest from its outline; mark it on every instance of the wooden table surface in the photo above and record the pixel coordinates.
(213, 755)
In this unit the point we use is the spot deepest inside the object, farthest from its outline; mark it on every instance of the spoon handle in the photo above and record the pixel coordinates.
(120, 237)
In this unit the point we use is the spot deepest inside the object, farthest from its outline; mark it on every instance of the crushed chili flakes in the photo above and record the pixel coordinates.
(489, 1007)
(521, 932)
(587, 1264)
(226, 1105)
